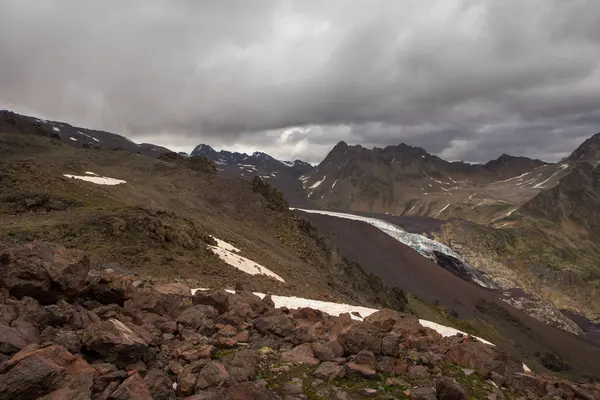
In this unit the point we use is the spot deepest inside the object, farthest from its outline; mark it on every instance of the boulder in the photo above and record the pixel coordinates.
(154, 302)
(178, 289)
(302, 354)
(11, 340)
(362, 337)
(116, 342)
(329, 371)
(159, 384)
(214, 374)
(449, 389)
(473, 354)
(50, 371)
(281, 325)
(109, 287)
(133, 388)
(385, 319)
(199, 318)
(423, 393)
(242, 365)
(44, 271)
(363, 364)
(328, 351)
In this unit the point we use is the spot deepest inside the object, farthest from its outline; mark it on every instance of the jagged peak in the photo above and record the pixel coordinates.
(341, 145)
(588, 151)
(203, 148)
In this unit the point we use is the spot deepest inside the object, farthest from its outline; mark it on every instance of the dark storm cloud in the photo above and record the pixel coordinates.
(463, 79)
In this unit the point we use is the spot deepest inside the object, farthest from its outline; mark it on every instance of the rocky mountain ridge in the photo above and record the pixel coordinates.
(285, 175)
(77, 136)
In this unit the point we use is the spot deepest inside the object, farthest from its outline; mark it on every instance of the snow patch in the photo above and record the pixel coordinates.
(91, 137)
(98, 180)
(510, 212)
(515, 177)
(226, 246)
(225, 251)
(443, 209)
(540, 185)
(73, 139)
(316, 184)
(55, 129)
(91, 173)
(332, 186)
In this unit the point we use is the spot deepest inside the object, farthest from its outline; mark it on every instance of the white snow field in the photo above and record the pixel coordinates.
(98, 180)
(226, 252)
(420, 243)
(336, 309)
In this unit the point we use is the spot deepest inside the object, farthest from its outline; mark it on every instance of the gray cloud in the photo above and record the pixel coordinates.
(463, 79)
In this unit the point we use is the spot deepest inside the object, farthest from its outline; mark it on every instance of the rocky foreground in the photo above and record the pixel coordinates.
(70, 332)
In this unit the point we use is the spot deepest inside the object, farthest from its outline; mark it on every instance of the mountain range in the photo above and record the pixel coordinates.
(505, 250)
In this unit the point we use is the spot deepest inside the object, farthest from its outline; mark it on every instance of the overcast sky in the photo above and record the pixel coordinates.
(464, 79)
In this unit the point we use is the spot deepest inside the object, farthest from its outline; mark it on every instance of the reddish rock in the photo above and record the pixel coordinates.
(178, 289)
(242, 337)
(199, 318)
(133, 388)
(301, 354)
(361, 370)
(159, 384)
(243, 365)
(423, 393)
(214, 374)
(226, 331)
(193, 353)
(116, 342)
(449, 389)
(362, 337)
(154, 302)
(35, 372)
(476, 355)
(328, 351)
(390, 344)
(43, 271)
(385, 319)
(417, 372)
(329, 371)
(11, 340)
(281, 325)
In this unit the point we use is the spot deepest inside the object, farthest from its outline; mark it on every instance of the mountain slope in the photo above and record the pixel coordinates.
(76, 136)
(158, 221)
(405, 180)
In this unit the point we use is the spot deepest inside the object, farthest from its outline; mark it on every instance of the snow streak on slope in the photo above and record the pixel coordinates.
(226, 252)
(425, 246)
(316, 184)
